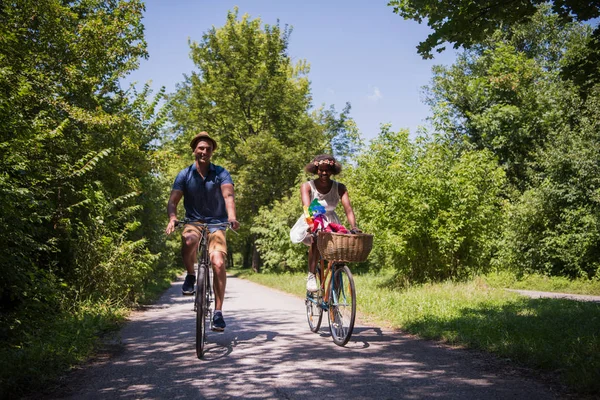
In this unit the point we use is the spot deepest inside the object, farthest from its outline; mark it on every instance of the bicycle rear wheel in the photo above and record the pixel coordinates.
(314, 311)
(201, 306)
(342, 305)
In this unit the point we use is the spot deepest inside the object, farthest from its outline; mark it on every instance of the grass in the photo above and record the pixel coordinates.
(43, 354)
(46, 348)
(554, 335)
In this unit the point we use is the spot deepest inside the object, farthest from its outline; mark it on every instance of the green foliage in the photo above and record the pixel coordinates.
(34, 361)
(466, 23)
(255, 101)
(505, 279)
(80, 189)
(554, 228)
(506, 95)
(272, 229)
(435, 214)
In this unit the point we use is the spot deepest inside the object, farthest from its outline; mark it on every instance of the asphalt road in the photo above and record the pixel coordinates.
(267, 351)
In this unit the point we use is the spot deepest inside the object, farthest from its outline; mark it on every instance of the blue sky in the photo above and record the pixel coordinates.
(359, 52)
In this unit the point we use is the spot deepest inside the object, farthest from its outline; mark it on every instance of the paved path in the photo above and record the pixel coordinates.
(267, 351)
(538, 295)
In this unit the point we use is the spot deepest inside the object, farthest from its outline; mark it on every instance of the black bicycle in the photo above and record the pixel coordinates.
(204, 283)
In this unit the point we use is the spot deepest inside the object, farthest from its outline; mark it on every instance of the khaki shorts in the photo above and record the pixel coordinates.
(216, 240)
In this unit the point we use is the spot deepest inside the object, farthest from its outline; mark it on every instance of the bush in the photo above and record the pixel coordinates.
(435, 214)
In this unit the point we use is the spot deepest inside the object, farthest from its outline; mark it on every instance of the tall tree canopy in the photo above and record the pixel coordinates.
(255, 101)
(466, 22)
(506, 95)
(75, 152)
(509, 94)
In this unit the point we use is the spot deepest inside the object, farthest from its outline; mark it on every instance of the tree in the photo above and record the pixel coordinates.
(506, 94)
(435, 214)
(248, 94)
(76, 155)
(554, 227)
(466, 23)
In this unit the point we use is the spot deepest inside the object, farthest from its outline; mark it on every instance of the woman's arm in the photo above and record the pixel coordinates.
(347, 206)
(305, 194)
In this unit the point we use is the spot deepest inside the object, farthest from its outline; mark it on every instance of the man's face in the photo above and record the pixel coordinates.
(203, 151)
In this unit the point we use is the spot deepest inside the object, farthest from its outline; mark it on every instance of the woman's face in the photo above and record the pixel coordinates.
(324, 172)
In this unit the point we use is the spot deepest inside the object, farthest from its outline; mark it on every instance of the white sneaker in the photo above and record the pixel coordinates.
(311, 283)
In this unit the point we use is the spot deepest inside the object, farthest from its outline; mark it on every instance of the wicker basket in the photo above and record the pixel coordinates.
(344, 247)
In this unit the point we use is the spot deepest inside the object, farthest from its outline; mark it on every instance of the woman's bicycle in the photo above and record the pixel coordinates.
(204, 284)
(336, 292)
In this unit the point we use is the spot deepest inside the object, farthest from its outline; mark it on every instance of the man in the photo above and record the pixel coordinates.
(208, 195)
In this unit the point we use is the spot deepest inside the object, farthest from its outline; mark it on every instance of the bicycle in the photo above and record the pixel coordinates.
(204, 284)
(337, 295)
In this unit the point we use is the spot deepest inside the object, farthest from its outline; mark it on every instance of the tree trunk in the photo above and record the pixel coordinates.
(247, 253)
(255, 258)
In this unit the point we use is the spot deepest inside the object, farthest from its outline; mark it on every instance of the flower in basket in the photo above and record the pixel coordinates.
(337, 228)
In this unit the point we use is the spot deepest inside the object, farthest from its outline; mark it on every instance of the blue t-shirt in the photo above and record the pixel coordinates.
(202, 198)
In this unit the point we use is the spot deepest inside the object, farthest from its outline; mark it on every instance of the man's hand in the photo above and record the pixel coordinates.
(170, 226)
(234, 224)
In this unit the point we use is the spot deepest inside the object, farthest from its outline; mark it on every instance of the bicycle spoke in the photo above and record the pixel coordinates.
(342, 305)
(314, 312)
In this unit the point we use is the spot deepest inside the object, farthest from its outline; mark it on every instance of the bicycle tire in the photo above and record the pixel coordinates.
(314, 311)
(342, 305)
(201, 305)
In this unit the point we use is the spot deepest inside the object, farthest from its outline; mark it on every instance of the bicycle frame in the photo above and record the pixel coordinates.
(326, 276)
(336, 296)
(204, 276)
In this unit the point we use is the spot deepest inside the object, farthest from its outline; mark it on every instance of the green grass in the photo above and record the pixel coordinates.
(553, 335)
(48, 345)
(37, 357)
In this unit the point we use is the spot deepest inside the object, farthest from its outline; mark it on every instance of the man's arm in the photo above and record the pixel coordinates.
(229, 196)
(174, 199)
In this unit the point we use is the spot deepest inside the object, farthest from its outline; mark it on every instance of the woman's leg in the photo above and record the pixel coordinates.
(313, 256)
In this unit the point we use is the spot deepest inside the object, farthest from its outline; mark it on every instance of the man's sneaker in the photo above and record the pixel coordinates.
(188, 286)
(311, 283)
(218, 322)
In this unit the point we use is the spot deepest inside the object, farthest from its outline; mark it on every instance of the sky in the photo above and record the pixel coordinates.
(359, 52)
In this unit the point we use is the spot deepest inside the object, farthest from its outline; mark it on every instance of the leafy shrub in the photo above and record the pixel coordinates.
(435, 214)
(272, 229)
(554, 227)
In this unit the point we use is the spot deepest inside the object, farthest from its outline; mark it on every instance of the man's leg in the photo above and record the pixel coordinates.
(217, 260)
(189, 248)
(218, 252)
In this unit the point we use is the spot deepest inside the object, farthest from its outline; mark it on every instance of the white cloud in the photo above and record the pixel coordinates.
(375, 95)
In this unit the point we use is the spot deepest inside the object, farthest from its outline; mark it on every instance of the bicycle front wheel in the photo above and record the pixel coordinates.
(201, 306)
(314, 311)
(342, 305)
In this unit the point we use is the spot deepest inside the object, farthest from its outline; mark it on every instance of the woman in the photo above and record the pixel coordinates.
(329, 193)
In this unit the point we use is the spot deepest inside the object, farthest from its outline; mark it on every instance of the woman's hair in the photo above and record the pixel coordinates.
(321, 159)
